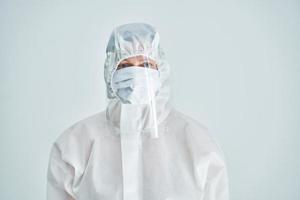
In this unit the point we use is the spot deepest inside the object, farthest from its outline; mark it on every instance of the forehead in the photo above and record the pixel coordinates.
(139, 58)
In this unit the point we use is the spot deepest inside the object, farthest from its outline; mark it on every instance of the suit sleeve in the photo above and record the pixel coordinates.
(216, 186)
(60, 176)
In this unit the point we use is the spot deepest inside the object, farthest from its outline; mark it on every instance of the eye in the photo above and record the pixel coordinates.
(148, 65)
(123, 65)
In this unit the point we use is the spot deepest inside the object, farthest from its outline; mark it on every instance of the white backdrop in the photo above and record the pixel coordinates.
(235, 68)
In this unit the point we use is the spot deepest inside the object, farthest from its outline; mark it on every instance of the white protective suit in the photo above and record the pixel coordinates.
(136, 152)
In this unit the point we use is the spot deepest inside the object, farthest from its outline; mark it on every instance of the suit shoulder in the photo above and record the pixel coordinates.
(82, 130)
(188, 120)
(198, 133)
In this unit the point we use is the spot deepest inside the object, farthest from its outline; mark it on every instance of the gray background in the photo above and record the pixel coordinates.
(235, 67)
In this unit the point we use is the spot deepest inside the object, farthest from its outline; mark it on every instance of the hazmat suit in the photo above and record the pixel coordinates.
(140, 147)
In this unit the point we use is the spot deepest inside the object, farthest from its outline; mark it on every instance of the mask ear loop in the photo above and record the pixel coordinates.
(151, 95)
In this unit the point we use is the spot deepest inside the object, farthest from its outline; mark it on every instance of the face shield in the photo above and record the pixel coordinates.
(136, 75)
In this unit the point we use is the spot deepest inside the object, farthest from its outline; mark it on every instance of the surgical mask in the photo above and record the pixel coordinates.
(135, 84)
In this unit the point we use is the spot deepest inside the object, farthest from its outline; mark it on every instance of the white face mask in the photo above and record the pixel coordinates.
(135, 84)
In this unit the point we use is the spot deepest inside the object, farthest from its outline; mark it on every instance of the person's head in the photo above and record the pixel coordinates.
(135, 64)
